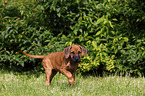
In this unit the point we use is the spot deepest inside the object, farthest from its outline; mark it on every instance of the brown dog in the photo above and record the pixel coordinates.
(66, 62)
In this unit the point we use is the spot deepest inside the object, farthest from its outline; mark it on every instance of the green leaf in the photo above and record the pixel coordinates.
(99, 32)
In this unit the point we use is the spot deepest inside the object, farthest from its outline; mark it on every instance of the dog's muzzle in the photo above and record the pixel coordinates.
(76, 59)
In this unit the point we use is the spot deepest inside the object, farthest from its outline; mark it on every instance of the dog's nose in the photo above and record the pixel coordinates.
(77, 59)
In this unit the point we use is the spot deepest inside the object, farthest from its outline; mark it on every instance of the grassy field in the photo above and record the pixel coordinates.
(14, 84)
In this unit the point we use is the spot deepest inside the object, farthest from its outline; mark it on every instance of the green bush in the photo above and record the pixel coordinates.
(22, 31)
(112, 31)
(109, 29)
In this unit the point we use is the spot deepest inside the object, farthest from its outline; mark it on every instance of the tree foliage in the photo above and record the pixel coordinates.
(112, 31)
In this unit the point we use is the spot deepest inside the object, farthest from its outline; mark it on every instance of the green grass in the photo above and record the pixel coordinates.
(12, 84)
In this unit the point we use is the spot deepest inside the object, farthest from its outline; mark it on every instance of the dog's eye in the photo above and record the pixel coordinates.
(79, 52)
(72, 52)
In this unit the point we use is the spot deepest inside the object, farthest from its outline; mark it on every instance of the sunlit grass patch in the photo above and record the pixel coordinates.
(24, 85)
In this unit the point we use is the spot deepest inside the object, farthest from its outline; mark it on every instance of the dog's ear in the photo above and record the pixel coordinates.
(67, 52)
(84, 51)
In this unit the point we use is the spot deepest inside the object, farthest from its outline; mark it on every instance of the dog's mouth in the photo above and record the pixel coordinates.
(76, 59)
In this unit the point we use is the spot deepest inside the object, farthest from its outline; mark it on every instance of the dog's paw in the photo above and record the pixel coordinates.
(47, 83)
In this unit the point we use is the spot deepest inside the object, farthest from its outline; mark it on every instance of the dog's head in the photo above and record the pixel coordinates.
(74, 52)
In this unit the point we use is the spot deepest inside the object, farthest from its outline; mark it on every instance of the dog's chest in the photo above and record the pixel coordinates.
(71, 66)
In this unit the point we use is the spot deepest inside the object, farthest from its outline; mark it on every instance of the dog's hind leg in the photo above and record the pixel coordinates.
(52, 75)
(48, 70)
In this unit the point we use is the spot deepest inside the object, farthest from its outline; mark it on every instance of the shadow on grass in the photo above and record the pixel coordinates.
(36, 69)
(28, 69)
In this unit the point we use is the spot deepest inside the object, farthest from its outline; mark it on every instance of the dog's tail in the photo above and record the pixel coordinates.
(34, 56)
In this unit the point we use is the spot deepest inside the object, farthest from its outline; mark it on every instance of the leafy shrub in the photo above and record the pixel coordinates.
(112, 32)
(108, 29)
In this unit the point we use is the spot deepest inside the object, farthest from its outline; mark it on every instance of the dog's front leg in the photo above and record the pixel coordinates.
(68, 75)
(74, 74)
